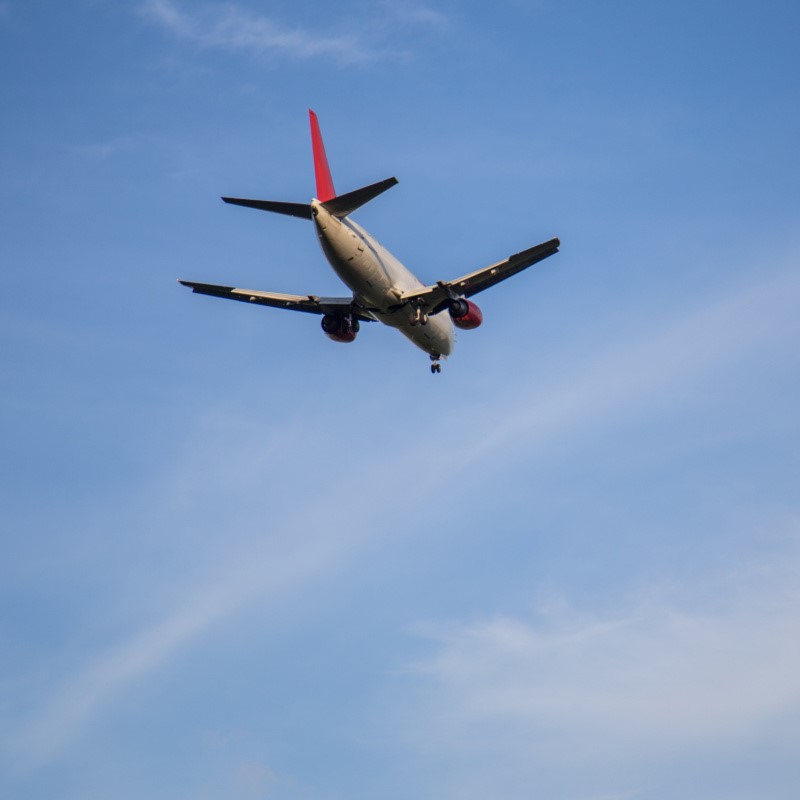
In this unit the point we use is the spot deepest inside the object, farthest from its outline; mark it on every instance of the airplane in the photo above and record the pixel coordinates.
(383, 289)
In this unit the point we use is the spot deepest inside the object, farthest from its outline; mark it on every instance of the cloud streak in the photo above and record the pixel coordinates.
(657, 673)
(261, 574)
(228, 26)
(667, 362)
(582, 704)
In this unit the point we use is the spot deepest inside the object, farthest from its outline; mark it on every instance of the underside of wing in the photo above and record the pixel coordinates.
(437, 297)
(310, 304)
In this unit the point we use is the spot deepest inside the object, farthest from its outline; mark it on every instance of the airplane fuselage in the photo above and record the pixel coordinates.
(378, 280)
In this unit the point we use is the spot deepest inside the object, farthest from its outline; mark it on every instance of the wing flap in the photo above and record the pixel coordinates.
(310, 304)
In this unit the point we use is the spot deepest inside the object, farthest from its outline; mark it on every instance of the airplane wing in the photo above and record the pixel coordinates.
(437, 297)
(310, 303)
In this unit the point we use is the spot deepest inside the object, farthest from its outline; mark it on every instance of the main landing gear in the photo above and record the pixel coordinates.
(418, 318)
(435, 366)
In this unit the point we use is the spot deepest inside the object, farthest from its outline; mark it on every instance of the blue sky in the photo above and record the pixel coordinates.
(239, 560)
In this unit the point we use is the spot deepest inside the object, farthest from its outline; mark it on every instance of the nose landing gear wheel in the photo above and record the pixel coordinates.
(435, 366)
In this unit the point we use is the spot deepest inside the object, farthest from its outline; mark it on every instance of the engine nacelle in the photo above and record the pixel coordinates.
(465, 314)
(340, 329)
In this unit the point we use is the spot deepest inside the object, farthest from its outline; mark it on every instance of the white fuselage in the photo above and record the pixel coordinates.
(378, 281)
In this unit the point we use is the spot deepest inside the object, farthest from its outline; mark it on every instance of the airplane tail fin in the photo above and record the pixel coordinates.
(343, 204)
(338, 205)
(322, 172)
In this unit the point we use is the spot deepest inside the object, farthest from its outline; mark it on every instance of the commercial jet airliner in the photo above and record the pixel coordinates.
(383, 290)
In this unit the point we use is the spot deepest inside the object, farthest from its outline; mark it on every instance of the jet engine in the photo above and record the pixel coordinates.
(340, 329)
(465, 314)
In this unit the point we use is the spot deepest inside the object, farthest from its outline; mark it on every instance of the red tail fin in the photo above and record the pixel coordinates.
(322, 171)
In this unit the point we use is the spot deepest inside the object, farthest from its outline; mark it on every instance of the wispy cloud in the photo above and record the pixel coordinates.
(691, 671)
(269, 555)
(662, 359)
(102, 151)
(232, 27)
(415, 14)
(262, 574)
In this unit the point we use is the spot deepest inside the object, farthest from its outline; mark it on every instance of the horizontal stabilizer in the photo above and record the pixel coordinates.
(290, 209)
(345, 204)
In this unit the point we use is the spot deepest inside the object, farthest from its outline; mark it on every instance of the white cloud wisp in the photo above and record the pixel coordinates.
(231, 27)
(578, 704)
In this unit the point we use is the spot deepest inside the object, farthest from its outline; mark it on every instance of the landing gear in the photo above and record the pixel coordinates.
(435, 366)
(418, 318)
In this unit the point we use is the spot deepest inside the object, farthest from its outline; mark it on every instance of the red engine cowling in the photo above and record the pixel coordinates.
(465, 314)
(340, 329)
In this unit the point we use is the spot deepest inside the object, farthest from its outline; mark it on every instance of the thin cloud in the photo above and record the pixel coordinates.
(415, 14)
(665, 361)
(102, 151)
(299, 549)
(664, 676)
(231, 27)
(110, 671)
